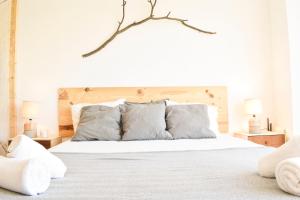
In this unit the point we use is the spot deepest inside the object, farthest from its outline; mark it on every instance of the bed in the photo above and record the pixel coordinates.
(220, 168)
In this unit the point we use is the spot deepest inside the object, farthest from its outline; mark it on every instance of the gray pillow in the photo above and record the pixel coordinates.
(98, 123)
(145, 121)
(188, 121)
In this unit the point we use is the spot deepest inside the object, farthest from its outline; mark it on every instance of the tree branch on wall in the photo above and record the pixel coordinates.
(151, 16)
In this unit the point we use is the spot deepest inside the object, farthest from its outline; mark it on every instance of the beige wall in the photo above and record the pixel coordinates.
(293, 16)
(251, 53)
(52, 35)
(4, 52)
(281, 66)
(285, 15)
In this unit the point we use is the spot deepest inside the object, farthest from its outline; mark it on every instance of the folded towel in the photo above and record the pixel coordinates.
(28, 177)
(288, 175)
(268, 163)
(23, 147)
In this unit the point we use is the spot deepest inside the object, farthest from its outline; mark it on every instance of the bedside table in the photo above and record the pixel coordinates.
(46, 142)
(272, 139)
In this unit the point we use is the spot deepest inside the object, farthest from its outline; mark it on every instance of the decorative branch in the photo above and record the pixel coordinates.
(136, 23)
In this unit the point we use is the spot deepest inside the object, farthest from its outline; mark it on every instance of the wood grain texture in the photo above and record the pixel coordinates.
(12, 70)
(48, 143)
(213, 95)
(45, 142)
(275, 140)
(269, 140)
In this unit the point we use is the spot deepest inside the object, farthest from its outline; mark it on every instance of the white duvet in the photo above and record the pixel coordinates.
(221, 142)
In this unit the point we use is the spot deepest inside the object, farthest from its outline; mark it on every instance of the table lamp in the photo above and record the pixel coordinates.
(30, 112)
(253, 107)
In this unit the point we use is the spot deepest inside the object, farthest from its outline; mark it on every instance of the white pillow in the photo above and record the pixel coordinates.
(76, 109)
(212, 114)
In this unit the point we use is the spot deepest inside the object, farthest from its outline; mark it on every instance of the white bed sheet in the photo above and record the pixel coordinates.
(221, 142)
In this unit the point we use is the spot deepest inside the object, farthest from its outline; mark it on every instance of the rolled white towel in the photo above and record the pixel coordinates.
(268, 163)
(23, 147)
(29, 177)
(288, 175)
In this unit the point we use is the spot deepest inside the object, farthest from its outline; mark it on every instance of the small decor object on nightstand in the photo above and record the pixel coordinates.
(42, 131)
(269, 125)
(30, 112)
(253, 107)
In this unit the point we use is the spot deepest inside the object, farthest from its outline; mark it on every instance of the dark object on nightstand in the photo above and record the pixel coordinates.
(269, 125)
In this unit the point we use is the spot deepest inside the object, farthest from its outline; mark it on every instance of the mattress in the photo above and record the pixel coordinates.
(207, 173)
(221, 142)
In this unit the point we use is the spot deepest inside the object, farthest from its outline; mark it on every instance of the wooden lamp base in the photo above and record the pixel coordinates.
(30, 129)
(254, 126)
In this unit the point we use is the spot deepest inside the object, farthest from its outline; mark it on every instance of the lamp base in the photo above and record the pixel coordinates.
(254, 126)
(31, 133)
(30, 129)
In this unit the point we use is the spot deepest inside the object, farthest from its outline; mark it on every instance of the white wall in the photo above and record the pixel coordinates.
(4, 49)
(52, 35)
(281, 66)
(293, 16)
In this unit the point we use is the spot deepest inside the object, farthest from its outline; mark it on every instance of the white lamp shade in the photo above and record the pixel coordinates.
(30, 109)
(253, 106)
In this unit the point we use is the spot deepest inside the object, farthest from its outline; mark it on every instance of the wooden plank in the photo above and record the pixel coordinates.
(213, 95)
(12, 66)
(269, 140)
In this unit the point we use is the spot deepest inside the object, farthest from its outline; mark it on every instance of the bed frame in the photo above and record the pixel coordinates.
(214, 95)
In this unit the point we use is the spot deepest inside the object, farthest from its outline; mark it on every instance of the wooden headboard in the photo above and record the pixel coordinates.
(214, 95)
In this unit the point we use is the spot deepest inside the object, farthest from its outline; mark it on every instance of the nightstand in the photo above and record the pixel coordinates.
(46, 142)
(272, 139)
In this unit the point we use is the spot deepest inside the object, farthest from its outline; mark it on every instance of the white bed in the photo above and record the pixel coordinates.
(188, 169)
(221, 142)
(161, 169)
